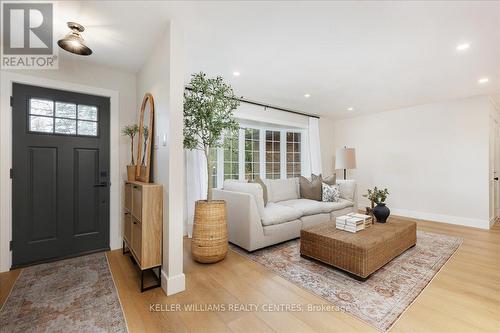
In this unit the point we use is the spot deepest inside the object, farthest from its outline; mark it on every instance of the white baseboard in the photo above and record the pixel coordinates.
(465, 221)
(174, 284)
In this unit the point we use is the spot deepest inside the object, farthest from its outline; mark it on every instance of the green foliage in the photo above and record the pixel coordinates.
(130, 130)
(376, 195)
(209, 107)
(208, 112)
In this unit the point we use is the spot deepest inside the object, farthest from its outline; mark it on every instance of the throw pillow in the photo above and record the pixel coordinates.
(311, 189)
(331, 193)
(330, 180)
(258, 180)
(347, 188)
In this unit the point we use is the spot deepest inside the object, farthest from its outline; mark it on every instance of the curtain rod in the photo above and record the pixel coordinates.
(266, 106)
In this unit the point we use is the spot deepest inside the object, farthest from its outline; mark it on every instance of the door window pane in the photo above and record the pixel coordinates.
(87, 112)
(251, 153)
(65, 110)
(65, 126)
(58, 117)
(87, 128)
(41, 124)
(41, 107)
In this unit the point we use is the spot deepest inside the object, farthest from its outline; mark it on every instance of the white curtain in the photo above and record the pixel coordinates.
(196, 184)
(314, 146)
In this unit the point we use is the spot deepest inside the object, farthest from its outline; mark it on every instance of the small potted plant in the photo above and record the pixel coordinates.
(209, 105)
(131, 131)
(377, 196)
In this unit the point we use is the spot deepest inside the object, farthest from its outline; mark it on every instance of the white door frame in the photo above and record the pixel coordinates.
(7, 78)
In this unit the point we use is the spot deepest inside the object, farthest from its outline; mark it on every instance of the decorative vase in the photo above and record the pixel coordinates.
(381, 212)
(209, 242)
(131, 172)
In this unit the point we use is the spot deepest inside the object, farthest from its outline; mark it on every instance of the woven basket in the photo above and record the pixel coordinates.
(209, 243)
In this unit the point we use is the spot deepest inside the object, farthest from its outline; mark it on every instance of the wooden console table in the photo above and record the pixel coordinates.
(142, 231)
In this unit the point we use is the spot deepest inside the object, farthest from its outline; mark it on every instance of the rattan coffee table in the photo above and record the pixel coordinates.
(361, 253)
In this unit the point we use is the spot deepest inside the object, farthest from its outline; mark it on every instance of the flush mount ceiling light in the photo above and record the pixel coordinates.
(307, 95)
(462, 47)
(73, 41)
(350, 108)
(236, 73)
(483, 80)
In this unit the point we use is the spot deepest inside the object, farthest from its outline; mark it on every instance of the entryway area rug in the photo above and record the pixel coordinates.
(72, 295)
(381, 299)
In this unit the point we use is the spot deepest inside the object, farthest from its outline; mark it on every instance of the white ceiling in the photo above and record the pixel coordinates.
(371, 56)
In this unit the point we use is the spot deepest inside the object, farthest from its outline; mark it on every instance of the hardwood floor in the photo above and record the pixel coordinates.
(463, 297)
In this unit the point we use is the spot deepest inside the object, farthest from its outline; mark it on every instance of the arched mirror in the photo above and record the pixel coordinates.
(146, 125)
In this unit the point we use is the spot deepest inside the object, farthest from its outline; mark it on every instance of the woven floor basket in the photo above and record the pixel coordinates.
(209, 243)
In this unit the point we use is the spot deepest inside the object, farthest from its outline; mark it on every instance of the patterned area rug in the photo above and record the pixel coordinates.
(381, 299)
(73, 295)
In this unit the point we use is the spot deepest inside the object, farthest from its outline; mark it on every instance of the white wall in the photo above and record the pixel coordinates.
(86, 78)
(433, 159)
(494, 160)
(161, 75)
(258, 114)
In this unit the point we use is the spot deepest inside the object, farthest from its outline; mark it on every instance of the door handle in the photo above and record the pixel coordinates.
(101, 185)
(496, 178)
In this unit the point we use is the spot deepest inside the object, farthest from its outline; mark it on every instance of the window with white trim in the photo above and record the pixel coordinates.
(231, 155)
(213, 173)
(293, 154)
(252, 152)
(272, 153)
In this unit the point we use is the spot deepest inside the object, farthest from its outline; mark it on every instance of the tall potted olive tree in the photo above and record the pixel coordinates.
(209, 105)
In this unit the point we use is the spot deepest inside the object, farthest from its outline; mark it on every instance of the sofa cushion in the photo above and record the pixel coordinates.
(310, 189)
(331, 193)
(258, 180)
(251, 188)
(347, 188)
(282, 189)
(329, 207)
(330, 180)
(305, 206)
(276, 213)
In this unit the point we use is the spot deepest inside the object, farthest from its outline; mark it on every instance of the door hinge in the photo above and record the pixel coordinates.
(11, 100)
(11, 173)
(11, 245)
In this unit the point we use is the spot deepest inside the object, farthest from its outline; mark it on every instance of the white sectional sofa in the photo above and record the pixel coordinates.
(252, 225)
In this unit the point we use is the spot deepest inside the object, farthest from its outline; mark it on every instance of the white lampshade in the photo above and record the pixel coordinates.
(345, 158)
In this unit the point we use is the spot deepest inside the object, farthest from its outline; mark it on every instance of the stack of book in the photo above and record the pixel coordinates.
(349, 223)
(367, 218)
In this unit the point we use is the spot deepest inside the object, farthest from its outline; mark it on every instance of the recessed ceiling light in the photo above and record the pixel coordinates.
(236, 73)
(307, 95)
(350, 108)
(483, 80)
(463, 47)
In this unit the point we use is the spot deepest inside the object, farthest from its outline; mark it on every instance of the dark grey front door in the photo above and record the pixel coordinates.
(60, 176)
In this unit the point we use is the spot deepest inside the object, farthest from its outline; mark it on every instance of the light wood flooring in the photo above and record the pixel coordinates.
(463, 297)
